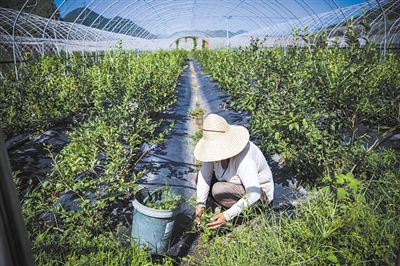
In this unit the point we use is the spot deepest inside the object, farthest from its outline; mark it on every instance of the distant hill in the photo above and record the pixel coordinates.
(43, 8)
(118, 25)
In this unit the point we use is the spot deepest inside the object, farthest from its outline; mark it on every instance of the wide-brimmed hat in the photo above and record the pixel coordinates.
(220, 140)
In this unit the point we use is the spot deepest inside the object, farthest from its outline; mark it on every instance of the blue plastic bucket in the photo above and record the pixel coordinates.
(152, 227)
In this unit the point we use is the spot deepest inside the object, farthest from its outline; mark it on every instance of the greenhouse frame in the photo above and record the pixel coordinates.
(151, 25)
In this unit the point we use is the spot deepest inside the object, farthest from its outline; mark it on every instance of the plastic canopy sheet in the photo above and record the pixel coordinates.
(77, 25)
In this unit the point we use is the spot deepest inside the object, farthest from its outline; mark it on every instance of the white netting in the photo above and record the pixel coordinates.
(165, 24)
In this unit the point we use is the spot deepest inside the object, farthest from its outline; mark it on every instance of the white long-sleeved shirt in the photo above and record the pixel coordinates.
(249, 168)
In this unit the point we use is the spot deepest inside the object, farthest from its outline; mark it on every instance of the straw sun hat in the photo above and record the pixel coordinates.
(220, 140)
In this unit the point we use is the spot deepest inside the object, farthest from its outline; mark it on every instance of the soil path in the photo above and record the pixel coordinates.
(173, 160)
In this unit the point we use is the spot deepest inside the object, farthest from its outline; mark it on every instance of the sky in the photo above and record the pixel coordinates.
(100, 5)
(160, 16)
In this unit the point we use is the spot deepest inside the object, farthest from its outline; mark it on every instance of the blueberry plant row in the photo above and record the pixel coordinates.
(317, 106)
(108, 106)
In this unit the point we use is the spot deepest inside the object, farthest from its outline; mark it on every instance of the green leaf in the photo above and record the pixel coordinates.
(349, 175)
(353, 68)
(304, 123)
(326, 188)
(360, 197)
(333, 258)
(340, 178)
(340, 193)
(354, 183)
(294, 125)
(45, 183)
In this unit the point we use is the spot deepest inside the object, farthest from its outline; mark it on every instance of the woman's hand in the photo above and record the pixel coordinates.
(198, 213)
(218, 219)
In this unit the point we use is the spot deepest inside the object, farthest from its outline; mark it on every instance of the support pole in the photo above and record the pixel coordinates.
(15, 249)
